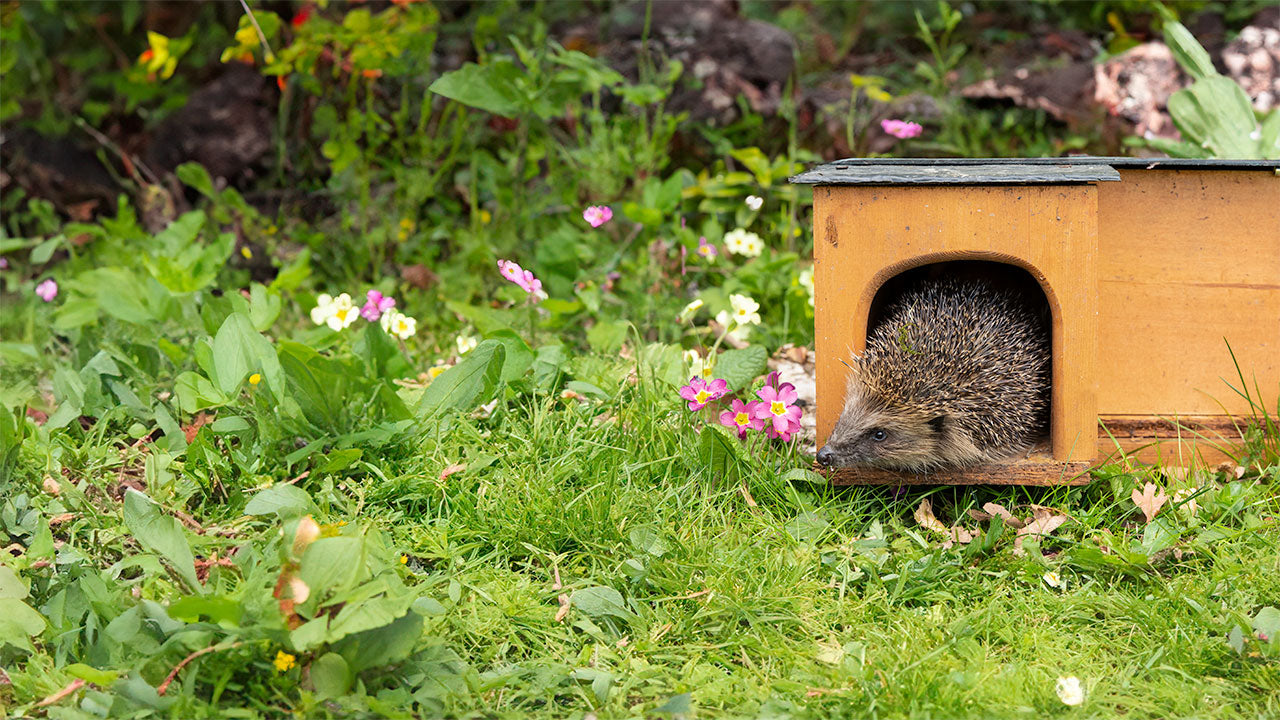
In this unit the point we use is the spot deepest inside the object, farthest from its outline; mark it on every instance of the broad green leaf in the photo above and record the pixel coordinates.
(195, 176)
(282, 500)
(18, 622)
(101, 678)
(195, 392)
(739, 368)
(160, 533)
(218, 609)
(11, 586)
(718, 450)
(1215, 113)
(332, 564)
(384, 645)
(664, 363)
(1267, 622)
(647, 541)
(490, 87)
(518, 355)
(330, 676)
(601, 601)
(467, 384)
(803, 475)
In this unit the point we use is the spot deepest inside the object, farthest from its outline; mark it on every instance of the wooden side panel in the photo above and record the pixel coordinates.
(866, 235)
(1187, 258)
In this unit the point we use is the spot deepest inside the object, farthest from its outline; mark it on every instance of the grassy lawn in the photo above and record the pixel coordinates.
(348, 350)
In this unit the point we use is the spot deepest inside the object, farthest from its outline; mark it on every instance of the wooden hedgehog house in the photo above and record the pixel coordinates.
(1154, 273)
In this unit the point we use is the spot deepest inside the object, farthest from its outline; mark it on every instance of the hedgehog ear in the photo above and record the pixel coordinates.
(938, 423)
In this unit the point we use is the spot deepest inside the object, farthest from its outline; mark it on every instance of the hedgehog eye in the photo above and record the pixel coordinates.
(877, 435)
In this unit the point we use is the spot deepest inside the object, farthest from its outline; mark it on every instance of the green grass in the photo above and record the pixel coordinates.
(757, 596)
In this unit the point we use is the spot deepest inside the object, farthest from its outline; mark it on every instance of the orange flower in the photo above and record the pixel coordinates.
(372, 74)
(281, 82)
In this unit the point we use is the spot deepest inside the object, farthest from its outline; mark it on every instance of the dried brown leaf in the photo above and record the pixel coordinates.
(924, 516)
(451, 469)
(999, 510)
(564, 607)
(1149, 500)
(1043, 522)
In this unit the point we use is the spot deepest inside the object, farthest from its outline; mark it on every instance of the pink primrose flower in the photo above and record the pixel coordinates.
(524, 279)
(511, 271)
(699, 392)
(778, 409)
(706, 249)
(4, 263)
(47, 290)
(375, 304)
(901, 129)
(741, 417)
(597, 215)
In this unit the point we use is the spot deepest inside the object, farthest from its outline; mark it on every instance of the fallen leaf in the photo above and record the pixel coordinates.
(746, 494)
(1003, 514)
(200, 420)
(924, 516)
(564, 607)
(453, 468)
(61, 518)
(1043, 522)
(831, 652)
(1150, 500)
(51, 486)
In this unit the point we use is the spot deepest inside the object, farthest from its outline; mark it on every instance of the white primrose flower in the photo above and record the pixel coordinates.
(741, 242)
(738, 332)
(698, 365)
(744, 310)
(465, 343)
(755, 202)
(398, 324)
(337, 313)
(690, 310)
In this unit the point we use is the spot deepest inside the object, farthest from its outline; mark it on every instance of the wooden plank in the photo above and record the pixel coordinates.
(832, 172)
(1039, 470)
(1188, 261)
(938, 174)
(867, 235)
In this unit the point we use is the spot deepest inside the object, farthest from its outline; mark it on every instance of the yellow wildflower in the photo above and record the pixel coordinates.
(284, 661)
(255, 378)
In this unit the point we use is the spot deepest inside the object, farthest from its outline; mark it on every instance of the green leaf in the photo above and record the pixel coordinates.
(195, 392)
(196, 177)
(1188, 53)
(340, 460)
(718, 449)
(601, 601)
(518, 355)
(282, 500)
(160, 533)
(11, 586)
(648, 541)
(739, 368)
(19, 622)
(384, 645)
(1267, 622)
(330, 676)
(332, 564)
(468, 383)
(491, 87)
(607, 337)
(1215, 113)
(676, 705)
(101, 678)
(664, 363)
(1159, 534)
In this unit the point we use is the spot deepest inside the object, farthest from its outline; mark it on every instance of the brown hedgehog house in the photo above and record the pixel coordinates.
(1154, 272)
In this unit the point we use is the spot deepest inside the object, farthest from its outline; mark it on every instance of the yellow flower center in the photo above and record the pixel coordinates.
(742, 419)
(706, 371)
(702, 397)
(778, 408)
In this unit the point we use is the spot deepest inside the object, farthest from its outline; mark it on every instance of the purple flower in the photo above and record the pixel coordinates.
(778, 409)
(524, 279)
(47, 290)
(4, 263)
(741, 417)
(706, 249)
(597, 215)
(901, 129)
(375, 305)
(699, 392)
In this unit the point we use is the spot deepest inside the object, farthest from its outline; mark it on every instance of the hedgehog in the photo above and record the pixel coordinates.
(956, 374)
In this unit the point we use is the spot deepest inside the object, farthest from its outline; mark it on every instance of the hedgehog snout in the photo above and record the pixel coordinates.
(825, 456)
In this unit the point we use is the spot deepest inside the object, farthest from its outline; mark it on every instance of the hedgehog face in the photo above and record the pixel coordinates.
(873, 433)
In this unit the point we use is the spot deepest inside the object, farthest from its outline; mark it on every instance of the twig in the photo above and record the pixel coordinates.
(73, 686)
(261, 36)
(107, 143)
(203, 651)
